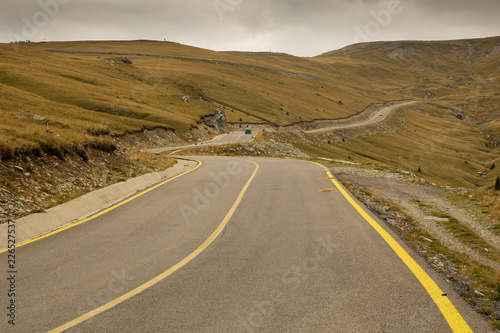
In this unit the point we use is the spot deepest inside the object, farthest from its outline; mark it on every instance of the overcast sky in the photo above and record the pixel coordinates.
(298, 27)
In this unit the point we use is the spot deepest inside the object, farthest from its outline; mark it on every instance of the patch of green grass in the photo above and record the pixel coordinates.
(496, 229)
(467, 236)
(439, 214)
(487, 309)
(483, 278)
(420, 203)
(317, 150)
(9, 185)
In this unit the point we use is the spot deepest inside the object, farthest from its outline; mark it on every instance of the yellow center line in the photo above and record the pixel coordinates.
(222, 137)
(168, 272)
(450, 313)
(106, 210)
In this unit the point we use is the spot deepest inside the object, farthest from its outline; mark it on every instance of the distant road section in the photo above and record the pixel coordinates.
(379, 117)
(241, 137)
(235, 137)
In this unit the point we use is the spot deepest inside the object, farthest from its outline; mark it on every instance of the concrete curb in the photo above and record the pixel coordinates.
(35, 225)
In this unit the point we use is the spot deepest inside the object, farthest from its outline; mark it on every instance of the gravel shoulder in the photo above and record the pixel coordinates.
(443, 224)
(420, 200)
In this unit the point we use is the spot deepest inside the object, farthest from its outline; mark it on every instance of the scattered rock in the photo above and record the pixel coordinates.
(46, 180)
(201, 96)
(126, 61)
(426, 239)
(437, 219)
(31, 116)
(219, 120)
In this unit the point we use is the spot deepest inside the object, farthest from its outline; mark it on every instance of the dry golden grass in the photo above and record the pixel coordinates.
(88, 93)
(154, 161)
(85, 94)
(490, 204)
(448, 151)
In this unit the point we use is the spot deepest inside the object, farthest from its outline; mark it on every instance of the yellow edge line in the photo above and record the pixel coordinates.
(168, 272)
(222, 137)
(206, 144)
(450, 313)
(104, 211)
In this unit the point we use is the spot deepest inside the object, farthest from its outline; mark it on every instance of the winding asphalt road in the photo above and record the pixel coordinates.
(378, 118)
(235, 137)
(236, 245)
(241, 137)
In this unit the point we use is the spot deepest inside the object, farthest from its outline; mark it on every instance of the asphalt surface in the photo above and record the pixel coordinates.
(295, 256)
(241, 137)
(379, 117)
(234, 137)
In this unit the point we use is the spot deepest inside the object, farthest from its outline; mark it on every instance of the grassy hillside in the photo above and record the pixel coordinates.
(83, 95)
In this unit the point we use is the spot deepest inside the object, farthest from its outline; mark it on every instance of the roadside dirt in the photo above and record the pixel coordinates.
(420, 199)
(407, 203)
(148, 139)
(31, 184)
(259, 148)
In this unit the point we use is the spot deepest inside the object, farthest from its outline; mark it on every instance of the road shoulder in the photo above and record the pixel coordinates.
(35, 225)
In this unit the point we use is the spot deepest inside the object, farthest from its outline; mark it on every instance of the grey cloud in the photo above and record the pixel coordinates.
(292, 26)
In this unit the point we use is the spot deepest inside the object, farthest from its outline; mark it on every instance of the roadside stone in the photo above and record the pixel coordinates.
(219, 120)
(426, 239)
(437, 219)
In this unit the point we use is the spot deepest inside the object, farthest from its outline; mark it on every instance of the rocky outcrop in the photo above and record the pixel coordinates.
(219, 121)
